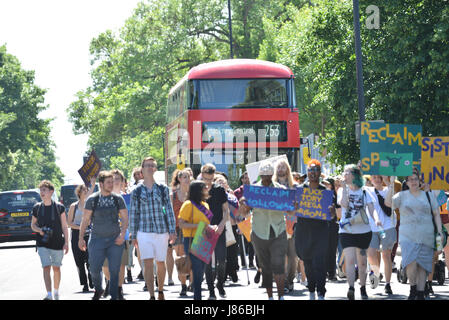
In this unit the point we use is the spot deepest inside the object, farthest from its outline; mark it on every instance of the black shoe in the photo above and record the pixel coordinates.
(412, 295)
(140, 276)
(420, 295)
(257, 277)
(212, 295)
(388, 289)
(85, 288)
(363, 293)
(129, 276)
(428, 290)
(97, 295)
(183, 291)
(234, 277)
(106, 290)
(145, 288)
(351, 293)
(120, 294)
(221, 292)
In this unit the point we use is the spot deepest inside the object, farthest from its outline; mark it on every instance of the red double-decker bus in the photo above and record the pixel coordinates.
(230, 113)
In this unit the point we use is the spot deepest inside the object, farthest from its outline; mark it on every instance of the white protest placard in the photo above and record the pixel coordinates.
(253, 168)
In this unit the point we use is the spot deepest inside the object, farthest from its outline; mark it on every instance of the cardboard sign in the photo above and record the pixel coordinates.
(396, 164)
(314, 204)
(253, 168)
(90, 168)
(204, 242)
(379, 137)
(435, 162)
(245, 227)
(269, 197)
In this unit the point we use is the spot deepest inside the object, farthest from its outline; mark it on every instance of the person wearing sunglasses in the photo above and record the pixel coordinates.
(312, 238)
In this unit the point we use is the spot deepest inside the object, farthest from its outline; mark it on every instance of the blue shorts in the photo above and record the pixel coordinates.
(50, 257)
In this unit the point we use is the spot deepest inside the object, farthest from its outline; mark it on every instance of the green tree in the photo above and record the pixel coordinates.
(27, 151)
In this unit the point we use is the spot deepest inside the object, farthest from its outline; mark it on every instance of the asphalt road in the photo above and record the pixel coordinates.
(21, 279)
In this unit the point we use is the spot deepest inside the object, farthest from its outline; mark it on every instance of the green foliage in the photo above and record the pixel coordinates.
(27, 151)
(405, 63)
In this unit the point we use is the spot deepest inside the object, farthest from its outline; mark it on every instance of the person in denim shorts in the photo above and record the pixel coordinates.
(50, 224)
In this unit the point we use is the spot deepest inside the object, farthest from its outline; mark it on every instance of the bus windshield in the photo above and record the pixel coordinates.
(239, 93)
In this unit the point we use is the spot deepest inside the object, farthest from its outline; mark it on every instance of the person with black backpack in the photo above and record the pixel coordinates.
(104, 209)
(152, 225)
(50, 223)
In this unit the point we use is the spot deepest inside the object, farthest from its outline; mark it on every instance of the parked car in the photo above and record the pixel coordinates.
(16, 211)
(68, 196)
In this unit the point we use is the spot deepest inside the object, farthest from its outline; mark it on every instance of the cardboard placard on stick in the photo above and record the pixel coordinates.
(91, 168)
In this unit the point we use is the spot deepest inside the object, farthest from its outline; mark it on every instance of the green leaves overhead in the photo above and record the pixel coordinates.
(27, 153)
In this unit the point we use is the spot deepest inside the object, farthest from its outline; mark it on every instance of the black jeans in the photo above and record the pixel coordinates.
(312, 241)
(217, 271)
(81, 258)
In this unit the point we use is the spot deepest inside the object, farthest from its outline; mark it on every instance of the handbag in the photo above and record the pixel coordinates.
(230, 238)
(183, 263)
(444, 233)
(361, 217)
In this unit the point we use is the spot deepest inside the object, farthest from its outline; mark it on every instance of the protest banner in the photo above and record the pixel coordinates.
(90, 168)
(269, 197)
(245, 227)
(204, 242)
(379, 137)
(253, 167)
(435, 162)
(395, 164)
(314, 204)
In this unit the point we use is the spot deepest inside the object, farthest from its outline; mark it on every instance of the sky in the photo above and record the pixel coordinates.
(52, 37)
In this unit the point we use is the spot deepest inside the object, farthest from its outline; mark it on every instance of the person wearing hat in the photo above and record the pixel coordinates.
(269, 236)
(312, 239)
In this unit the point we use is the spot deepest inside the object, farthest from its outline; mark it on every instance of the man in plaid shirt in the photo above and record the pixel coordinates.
(152, 225)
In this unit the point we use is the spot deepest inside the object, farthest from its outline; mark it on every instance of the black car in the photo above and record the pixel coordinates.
(68, 196)
(15, 215)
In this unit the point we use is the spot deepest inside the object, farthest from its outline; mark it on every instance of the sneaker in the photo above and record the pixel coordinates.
(47, 297)
(56, 296)
(281, 298)
(374, 280)
(304, 283)
(388, 289)
(85, 288)
(171, 282)
(97, 295)
(340, 272)
(145, 288)
(140, 276)
(351, 293)
(363, 293)
(311, 295)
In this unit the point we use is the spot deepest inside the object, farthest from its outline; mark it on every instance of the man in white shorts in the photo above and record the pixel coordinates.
(152, 225)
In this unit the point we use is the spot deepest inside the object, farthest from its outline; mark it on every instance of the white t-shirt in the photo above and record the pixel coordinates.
(388, 222)
(357, 200)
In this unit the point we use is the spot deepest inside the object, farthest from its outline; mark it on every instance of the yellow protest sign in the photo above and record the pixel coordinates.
(245, 227)
(435, 162)
(305, 155)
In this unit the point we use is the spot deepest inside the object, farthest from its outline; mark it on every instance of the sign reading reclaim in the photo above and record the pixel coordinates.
(314, 204)
(392, 138)
(269, 198)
